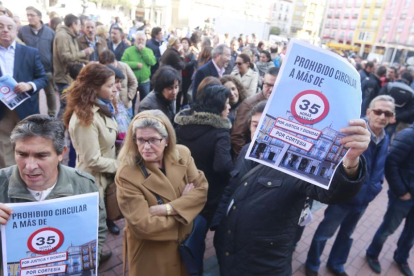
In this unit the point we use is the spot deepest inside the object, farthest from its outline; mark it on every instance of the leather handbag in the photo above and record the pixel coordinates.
(111, 203)
(193, 247)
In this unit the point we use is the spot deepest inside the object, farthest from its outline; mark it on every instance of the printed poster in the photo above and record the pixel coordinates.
(58, 236)
(7, 95)
(317, 93)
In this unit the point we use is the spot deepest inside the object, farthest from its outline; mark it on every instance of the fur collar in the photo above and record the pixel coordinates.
(202, 118)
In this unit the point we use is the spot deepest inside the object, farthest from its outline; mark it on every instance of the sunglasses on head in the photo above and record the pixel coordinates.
(380, 112)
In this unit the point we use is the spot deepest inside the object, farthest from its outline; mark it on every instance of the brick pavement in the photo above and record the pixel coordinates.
(356, 264)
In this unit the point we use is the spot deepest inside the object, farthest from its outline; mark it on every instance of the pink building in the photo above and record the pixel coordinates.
(396, 31)
(340, 22)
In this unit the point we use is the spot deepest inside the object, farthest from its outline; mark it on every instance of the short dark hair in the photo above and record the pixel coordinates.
(118, 29)
(395, 71)
(258, 108)
(274, 49)
(407, 76)
(186, 39)
(106, 57)
(369, 64)
(74, 68)
(164, 77)
(41, 126)
(274, 71)
(70, 19)
(212, 100)
(118, 73)
(261, 43)
(246, 59)
(381, 71)
(269, 58)
(155, 31)
(195, 38)
(39, 13)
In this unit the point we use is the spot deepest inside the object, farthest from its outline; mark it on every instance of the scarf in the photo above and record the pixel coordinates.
(106, 107)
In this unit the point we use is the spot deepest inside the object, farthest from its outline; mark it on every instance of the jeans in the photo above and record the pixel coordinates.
(61, 87)
(398, 209)
(335, 215)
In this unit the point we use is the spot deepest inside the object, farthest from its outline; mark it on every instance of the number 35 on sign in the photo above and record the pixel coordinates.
(45, 240)
(309, 107)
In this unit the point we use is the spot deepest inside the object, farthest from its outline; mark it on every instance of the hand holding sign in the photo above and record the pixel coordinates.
(5, 213)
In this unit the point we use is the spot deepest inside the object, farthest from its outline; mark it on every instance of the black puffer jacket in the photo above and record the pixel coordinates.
(208, 137)
(399, 166)
(256, 236)
(157, 101)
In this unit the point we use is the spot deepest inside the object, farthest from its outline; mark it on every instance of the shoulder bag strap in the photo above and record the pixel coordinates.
(247, 175)
(144, 170)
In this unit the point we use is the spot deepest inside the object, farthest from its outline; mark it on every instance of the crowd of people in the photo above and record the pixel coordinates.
(168, 118)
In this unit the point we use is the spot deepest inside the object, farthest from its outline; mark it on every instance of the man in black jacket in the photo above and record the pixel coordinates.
(117, 44)
(371, 87)
(399, 173)
(258, 215)
(403, 95)
(40, 36)
(154, 44)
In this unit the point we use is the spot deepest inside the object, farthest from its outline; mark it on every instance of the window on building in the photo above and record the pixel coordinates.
(338, 15)
(332, 4)
(345, 25)
(353, 25)
(350, 35)
(377, 13)
(346, 15)
(358, 4)
(378, 4)
(393, 3)
(403, 14)
(387, 26)
(374, 25)
(342, 35)
(407, 3)
(400, 27)
(397, 38)
(328, 24)
(285, 17)
(339, 4)
(363, 24)
(281, 6)
(330, 13)
(410, 39)
(327, 31)
(365, 15)
(349, 3)
(335, 24)
(368, 4)
(389, 15)
(287, 8)
(383, 38)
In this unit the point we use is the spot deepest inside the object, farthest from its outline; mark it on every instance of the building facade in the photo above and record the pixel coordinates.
(281, 16)
(306, 20)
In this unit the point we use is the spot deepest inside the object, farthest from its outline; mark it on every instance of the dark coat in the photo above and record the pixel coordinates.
(256, 237)
(207, 70)
(399, 167)
(42, 41)
(375, 156)
(27, 68)
(154, 45)
(208, 137)
(172, 58)
(119, 51)
(404, 111)
(157, 101)
(370, 89)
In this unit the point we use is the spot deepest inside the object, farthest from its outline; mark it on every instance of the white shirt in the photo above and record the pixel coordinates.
(7, 62)
(7, 59)
(376, 139)
(41, 195)
(114, 46)
(220, 71)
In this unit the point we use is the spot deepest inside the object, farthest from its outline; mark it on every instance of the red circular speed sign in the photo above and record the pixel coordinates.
(45, 240)
(309, 107)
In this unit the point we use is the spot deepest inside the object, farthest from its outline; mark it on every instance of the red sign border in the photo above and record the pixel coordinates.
(8, 88)
(31, 248)
(320, 132)
(43, 257)
(291, 143)
(66, 269)
(314, 92)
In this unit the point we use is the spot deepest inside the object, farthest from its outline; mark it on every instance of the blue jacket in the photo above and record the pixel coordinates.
(399, 167)
(119, 50)
(27, 67)
(375, 157)
(207, 70)
(154, 45)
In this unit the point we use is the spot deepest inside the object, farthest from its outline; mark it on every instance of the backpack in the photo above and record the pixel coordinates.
(401, 92)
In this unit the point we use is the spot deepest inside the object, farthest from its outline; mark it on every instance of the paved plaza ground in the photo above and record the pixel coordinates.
(356, 264)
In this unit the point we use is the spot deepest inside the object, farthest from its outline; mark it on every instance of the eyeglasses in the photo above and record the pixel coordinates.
(151, 142)
(239, 63)
(31, 15)
(387, 114)
(268, 84)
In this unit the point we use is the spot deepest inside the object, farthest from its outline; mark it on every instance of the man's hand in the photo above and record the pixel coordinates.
(22, 87)
(140, 46)
(407, 196)
(89, 50)
(357, 141)
(139, 65)
(160, 210)
(5, 213)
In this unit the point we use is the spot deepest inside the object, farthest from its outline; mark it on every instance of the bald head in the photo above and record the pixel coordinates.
(8, 31)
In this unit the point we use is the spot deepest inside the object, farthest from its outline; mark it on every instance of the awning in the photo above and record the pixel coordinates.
(339, 46)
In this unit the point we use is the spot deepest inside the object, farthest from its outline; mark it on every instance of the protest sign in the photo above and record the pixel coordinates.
(7, 95)
(317, 93)
(58, 236)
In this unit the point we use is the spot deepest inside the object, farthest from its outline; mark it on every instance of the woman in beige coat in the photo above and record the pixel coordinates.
(154, 231)
(92, 128)
(245, 73)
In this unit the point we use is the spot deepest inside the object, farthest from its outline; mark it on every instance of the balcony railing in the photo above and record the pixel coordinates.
(335, 26)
